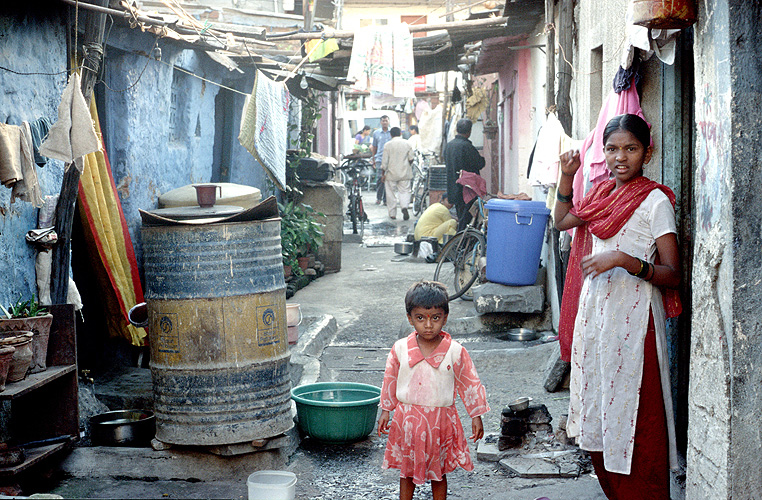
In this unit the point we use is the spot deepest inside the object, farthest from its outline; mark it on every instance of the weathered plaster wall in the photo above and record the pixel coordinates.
(160, 132)
(709, 432)
(602, 28)
(746, 387)
(29, 43)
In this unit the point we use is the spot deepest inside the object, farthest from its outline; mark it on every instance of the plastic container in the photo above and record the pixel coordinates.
(337, 412)
(271, 485)
(514, 240)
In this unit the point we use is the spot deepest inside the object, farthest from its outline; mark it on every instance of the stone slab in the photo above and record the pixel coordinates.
(493, 297)
(538, 468)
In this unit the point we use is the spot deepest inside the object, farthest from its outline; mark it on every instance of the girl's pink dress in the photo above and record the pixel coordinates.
(426, 438)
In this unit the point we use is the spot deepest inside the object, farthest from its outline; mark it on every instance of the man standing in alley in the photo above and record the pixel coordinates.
(460, 155)
(380, 138)
(396, 170)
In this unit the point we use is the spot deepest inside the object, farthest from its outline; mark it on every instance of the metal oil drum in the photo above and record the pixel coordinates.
(217, 322)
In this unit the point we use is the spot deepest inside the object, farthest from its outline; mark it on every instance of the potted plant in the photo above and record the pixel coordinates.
(300, 233)
(29, 316)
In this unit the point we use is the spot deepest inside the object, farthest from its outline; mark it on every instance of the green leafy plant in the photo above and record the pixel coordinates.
(300, 232)
(25, 308)
(311, 113)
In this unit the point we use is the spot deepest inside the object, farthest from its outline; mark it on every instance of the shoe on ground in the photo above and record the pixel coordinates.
(378, 202)
(405, 215)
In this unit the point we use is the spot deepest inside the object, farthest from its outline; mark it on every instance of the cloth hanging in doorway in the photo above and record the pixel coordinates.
(72, 135)
(109, 243)
(382, 61)
(264, 127)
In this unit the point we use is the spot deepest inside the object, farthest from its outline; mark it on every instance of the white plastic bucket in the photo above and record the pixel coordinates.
(271, 485)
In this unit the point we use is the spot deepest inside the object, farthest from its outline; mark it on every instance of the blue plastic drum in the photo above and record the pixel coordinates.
(514, 240)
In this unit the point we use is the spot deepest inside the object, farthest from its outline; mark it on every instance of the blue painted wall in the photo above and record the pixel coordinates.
(29, 43)
(158, 123)
(160, 131)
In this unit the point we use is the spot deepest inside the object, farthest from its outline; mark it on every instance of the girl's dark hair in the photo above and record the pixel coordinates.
(427, 294)
(634, 124)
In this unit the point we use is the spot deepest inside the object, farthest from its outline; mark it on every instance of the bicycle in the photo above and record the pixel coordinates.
(420, 191)
(458, 263)
(354, 168)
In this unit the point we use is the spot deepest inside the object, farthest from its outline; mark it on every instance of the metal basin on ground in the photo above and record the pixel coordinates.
(123, 428)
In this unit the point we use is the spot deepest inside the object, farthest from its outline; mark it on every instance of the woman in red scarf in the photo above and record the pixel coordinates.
(624, 252)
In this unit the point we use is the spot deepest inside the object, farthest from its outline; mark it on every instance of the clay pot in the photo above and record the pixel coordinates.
(304, 262)
(22, 357)
(40, 326)
(6, 357)
(206, 194)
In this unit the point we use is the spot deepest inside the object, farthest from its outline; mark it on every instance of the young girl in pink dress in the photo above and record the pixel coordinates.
(424, 372)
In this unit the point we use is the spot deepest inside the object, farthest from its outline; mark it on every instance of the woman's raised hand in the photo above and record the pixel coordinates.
(569, 162)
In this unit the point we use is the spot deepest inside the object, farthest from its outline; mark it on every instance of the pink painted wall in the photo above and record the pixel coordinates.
(516, 128)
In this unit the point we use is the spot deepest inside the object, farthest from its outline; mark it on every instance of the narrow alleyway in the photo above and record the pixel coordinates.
(367, 300)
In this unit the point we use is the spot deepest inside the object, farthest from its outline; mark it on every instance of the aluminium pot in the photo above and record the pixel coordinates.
(403, 247)
(519, 334)
(134, 428)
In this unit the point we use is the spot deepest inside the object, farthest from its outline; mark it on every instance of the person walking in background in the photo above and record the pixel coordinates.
(397, 172)
(380, 138)
(423, 374)
(460, 154)
(415, 138)
(363, 136)
(436, 221)
(624, 268)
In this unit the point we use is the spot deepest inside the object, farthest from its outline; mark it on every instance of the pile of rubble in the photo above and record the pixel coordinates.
(527, 446)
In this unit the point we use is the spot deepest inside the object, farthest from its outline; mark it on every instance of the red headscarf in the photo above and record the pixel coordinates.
(605, 211)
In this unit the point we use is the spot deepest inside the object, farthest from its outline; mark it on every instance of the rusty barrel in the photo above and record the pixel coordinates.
(217, 322)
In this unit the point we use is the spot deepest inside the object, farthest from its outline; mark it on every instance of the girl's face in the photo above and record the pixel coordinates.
(428, 323)
(625, 156)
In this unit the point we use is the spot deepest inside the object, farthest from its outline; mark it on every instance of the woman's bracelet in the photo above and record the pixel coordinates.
(645, 269)
(565, 199)
(652, 271)
(637, 273)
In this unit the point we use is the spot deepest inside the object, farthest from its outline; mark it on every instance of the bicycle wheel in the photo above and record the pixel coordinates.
(353, 211)
(362, 215)
(419, 196)
(458, 262)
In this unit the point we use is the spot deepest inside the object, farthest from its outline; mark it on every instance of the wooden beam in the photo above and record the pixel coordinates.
(67, 199)
(416, 28)
(550, 58)
(565, 61)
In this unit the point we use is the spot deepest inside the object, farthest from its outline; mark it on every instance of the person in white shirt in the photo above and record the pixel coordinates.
(396, 165)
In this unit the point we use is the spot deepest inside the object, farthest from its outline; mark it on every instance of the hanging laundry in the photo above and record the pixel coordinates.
(39, 129)
(17, 167)
(544, 168)
(322, 48)
(264, 127)
(28, 188)
(382, 61)
(10, 154)
(72, 136)
(591, 154)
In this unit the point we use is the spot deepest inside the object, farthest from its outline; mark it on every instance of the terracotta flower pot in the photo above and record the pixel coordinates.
(304, 262)
(40, 326)
(6, 357)
(22, 356)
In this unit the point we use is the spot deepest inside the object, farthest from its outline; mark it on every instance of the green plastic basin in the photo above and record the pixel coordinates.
(336, 412)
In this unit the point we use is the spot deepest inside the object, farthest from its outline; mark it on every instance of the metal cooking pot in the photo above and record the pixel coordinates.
(403, 248)
(524, 334)
(123, 428)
